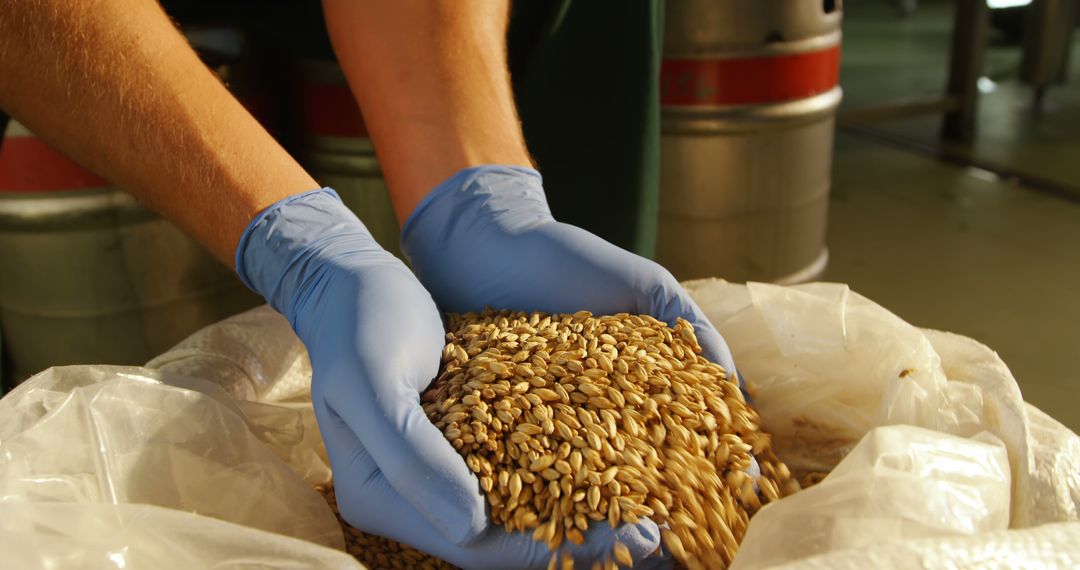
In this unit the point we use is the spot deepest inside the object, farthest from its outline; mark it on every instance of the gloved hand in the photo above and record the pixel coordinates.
(485, 237)
(375, 338)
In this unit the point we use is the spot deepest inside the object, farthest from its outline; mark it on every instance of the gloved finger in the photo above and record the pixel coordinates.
(660, 560)
(641, 540)
(369, 502)
(667, 300)
(713, 346)
(370, 359)
(422, 466)
(355, 472)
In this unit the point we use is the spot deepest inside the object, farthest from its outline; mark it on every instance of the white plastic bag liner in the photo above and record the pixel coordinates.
(1055, 480)
(99, 535)
(253, 356)
(84, 436)
(1040, 548)
(901, 483)
(827, 366)
(257, 359)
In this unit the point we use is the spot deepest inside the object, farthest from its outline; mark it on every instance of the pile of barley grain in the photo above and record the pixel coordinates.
(574, 419)
(376, 552)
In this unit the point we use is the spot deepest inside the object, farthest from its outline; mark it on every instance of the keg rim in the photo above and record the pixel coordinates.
(40, 206)
(802, 45)
(697, 119)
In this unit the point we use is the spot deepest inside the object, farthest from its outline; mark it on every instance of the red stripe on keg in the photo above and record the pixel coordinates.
(29, 165)
(739, 81)
(331, 110)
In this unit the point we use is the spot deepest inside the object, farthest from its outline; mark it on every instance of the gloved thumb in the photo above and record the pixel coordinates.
(413, 456)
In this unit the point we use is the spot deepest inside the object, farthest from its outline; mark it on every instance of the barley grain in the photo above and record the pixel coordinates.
(572, 419)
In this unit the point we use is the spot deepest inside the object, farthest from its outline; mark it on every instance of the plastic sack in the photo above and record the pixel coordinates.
(900, 482)
(99, 535)
(1055, 477)
(792, 343)
(826, 367)
(1040, 548)
(82, 441)
(253, 356)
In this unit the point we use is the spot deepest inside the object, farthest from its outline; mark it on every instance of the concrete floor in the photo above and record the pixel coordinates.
(955, 247)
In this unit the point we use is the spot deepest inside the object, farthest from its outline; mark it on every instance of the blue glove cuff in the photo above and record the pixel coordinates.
(513, 193)
(262, 220)
(276, 249)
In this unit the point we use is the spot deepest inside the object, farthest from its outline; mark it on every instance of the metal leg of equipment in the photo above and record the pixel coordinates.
(971, 26)
(1047, 42)
(959, 103)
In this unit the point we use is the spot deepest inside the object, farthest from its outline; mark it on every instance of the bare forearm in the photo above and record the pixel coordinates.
(115, 86)
(432, 81)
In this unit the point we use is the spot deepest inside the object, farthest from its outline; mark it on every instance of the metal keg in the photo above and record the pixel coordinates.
(749, 92)
(89, 276)
(334, 146)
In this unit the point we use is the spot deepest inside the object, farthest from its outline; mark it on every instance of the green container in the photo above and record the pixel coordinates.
(585, 77)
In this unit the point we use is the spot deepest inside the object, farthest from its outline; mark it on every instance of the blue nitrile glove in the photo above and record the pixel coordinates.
(486, 238)
(375, 338)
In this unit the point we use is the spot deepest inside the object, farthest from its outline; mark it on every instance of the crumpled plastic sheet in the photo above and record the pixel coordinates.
(124, 435)
(130, 536)
(826, 364)
(828, 369)
(253, 356)
(1056, 474)
(257, 360)
(901, 482)
(1049, 546)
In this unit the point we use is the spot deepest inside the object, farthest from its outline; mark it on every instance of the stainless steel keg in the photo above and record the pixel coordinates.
(89, 276)
(749, 92)
(335, 148)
